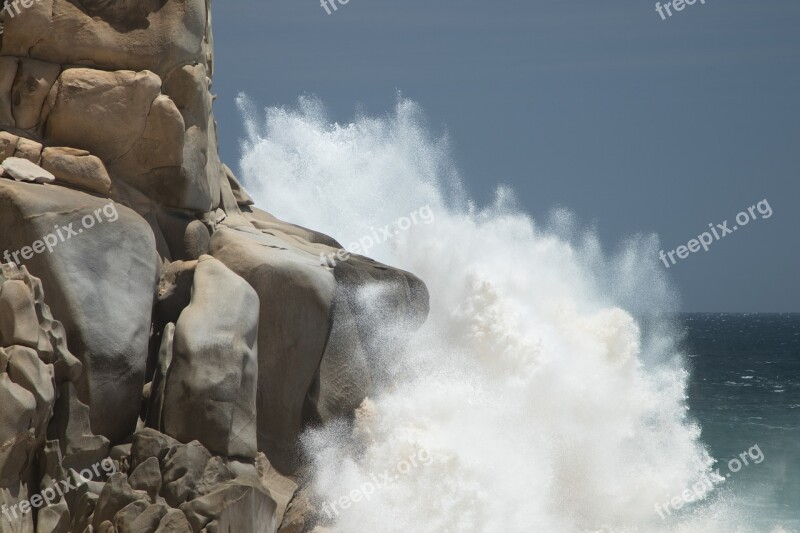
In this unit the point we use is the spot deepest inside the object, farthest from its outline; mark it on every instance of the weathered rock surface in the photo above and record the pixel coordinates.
(221, 397)
(295, 311)
(207, 334)
(77, 168)
(24, 170)
(101, 273)
(152, 34)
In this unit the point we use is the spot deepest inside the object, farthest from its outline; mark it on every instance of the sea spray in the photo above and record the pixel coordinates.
(545, 386)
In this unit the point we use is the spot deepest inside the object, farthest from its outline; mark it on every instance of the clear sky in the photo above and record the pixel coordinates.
(637, 124)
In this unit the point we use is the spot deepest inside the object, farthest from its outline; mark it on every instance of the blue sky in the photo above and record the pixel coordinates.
(637, 124)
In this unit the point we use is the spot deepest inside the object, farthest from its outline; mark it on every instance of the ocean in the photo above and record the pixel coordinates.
(744, 390)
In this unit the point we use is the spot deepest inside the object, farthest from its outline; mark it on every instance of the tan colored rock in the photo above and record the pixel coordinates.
(149, 34)
(241, 196)
(280, 488)
(159, 383)
(188, 87)
(126, 517)
(28, 149)
(17, 422)
(101, 280)
(102, 112)
(182, 472)
(117, 494)
(174, 522)
(150, 443)
(53, 519)
(51, 344)
(159, 146)
(145, 522)
(80, 446)
(33, 82)
(77, 168)
(215, 174)
(8, 72)
(235, 506)
(13, 494)
(83, 504)
(18, 321)
(222, 399)
(196, 240)
(27, 370)
(295, 295)
(147, 477)
(138, 133)
(266, 222)
(8, 144)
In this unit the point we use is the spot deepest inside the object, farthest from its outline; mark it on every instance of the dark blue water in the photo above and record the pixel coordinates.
(745, 391)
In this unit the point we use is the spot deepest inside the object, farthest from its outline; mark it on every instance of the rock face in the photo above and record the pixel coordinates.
(188, 338)
(214, 370)
(98, 263)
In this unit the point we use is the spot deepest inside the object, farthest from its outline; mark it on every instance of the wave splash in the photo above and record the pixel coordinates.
(545, 391)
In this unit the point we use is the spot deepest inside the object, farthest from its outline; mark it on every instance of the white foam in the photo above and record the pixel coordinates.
(544, 402)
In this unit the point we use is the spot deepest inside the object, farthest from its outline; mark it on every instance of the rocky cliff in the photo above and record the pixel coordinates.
(163, 342)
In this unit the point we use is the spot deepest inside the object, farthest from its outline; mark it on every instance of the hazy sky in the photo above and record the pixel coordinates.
(638, 124)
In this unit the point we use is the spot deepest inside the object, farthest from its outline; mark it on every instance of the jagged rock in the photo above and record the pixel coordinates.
(174, 522)
(116, 495)
(175, 290)
(77, 168)
(24, 170)
(221, 400)
(18, 321)
(82, 510)
(30, 369)
(300, 515)
(182, 472)
(235, 506)
(216, 472)
(51, 345)
(26, 369)
(150, 443)
(17, 420)
(53, 518)
(147, 477)
(125, 518)
(14, 521)
(280, 488)
(113, 98)
(159, 383)
(104, 302)
(147, 521)
(79, 446)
